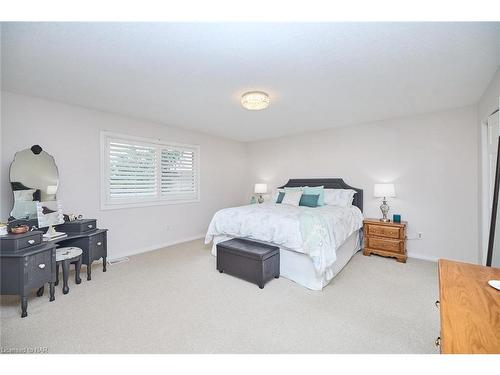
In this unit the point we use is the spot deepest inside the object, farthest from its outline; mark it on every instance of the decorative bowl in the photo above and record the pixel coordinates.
(20, 229)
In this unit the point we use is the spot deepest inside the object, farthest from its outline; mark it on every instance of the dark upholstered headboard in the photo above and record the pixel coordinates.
(328, 183)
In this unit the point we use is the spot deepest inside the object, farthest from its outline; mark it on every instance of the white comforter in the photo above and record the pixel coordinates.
(317, 232)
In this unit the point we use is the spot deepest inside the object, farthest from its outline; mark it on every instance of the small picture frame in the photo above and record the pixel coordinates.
(396, 218)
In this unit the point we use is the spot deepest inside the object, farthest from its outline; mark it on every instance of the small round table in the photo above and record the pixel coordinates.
(66, 256)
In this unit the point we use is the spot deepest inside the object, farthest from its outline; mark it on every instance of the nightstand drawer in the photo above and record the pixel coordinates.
(377, 243)
(384, 231)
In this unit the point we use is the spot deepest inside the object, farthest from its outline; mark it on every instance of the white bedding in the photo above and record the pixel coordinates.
(317, 232)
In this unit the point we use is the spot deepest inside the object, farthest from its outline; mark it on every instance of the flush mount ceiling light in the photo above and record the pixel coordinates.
(255, 100)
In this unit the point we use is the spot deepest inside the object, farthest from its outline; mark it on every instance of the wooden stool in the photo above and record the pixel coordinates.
(65, 256)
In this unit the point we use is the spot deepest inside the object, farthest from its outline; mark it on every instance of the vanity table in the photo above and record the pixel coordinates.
(27, 262)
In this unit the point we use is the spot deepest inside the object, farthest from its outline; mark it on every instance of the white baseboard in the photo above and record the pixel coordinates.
(160, 246)
(423, 257)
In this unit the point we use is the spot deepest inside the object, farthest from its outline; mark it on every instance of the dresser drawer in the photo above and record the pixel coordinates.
(377, 243)
(384, 231)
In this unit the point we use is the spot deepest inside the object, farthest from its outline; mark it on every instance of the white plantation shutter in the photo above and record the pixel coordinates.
(137, 172)
(132, 170)
(179, 173)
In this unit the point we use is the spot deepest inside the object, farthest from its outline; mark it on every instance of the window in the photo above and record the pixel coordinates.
(138, 172)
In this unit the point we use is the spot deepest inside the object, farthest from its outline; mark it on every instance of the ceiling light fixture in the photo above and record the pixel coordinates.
(255, 100)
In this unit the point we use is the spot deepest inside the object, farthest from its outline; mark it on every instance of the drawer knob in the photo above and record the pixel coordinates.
(41, 265)
(437, 303)
(90, 226)
(99, 243)
(31, 242)
(437, 343)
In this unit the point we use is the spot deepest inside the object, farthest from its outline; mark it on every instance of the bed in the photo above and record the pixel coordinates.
(315, 243)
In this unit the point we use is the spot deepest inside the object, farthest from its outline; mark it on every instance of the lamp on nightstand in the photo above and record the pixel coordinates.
(259, 190)
(384, 191)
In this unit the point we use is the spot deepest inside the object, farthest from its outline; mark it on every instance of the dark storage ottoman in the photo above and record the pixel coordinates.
(249, 260)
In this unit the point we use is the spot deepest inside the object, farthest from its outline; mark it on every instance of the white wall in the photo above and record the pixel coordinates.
(71, 135)
(432, 159)
(489, 100)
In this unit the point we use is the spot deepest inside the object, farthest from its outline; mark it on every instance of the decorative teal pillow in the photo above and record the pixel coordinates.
(309, 200)
(293, 189)
(319, 190)
(281, 195)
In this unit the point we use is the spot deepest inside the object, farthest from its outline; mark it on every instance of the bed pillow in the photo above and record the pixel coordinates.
(280, 197)
(309, 200)
(300, 188)
(24, 195)
(339, 197)
(292, 198)
(24, 209)
(316, 190)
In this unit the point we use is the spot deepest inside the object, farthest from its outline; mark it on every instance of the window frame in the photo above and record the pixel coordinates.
(106, 204)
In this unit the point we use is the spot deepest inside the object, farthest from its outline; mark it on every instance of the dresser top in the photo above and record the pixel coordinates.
(378, 222)
(469, 308)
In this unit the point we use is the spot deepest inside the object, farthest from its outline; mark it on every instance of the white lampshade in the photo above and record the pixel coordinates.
(51, 189)
(260, 188)
(384, 190)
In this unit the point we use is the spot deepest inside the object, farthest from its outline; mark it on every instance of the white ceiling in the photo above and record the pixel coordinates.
(192, 75)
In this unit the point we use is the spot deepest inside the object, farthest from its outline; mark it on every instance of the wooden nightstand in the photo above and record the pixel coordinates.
(386, 239)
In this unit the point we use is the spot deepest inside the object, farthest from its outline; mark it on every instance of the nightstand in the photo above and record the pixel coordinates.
(385, 239)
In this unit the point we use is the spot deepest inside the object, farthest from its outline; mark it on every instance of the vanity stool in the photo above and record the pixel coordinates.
(65, 256)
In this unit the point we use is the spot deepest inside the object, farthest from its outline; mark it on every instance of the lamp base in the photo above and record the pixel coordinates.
(260, 199)
(384, 207)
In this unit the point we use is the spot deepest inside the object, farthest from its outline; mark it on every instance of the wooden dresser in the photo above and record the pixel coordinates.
(469, 309)
(386, 239)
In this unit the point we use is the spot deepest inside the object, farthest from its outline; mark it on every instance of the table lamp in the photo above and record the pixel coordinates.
(384, 191)
(259, 190)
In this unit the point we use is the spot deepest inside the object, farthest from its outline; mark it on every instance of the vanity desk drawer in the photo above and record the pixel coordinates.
(98, 244)
(40, 268)
(20, 242)
(78, 226)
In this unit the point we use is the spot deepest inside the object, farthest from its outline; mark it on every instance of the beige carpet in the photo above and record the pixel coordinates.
(174, 301)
